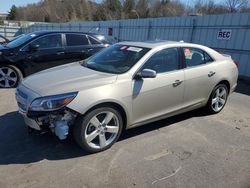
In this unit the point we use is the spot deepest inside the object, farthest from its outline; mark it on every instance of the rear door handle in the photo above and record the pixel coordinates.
(60, 53)
(211, 73)
(89, 49)
(177, 82)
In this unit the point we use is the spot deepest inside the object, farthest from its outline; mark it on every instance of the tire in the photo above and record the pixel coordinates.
(217, 99)
(10, 76)
(93, 134)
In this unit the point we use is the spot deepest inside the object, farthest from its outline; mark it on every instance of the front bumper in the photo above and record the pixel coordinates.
(24, 97)
(57, 122)
(31, 123)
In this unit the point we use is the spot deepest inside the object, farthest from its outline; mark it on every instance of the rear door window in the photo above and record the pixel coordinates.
(76, 40)
(195, 57)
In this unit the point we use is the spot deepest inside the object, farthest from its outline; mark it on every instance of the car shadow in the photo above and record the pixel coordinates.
(243, 87)
(18, 147)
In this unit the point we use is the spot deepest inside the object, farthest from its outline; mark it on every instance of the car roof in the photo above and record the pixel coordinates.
(160, 43)
(61, 31)
(156, 43)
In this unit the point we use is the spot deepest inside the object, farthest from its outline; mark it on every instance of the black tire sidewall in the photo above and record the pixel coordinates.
(81, 125)
(209, 104)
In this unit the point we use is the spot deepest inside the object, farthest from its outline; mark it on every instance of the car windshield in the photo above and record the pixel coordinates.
(21, 40)
(116, 59)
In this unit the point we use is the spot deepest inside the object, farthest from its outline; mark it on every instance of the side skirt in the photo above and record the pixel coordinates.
(177, 112)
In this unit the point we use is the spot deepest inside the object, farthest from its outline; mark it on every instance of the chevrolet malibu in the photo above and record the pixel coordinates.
(124, 86)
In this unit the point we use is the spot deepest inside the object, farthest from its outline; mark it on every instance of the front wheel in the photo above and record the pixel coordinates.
(10, 76)
(217, 99)
(99, 129)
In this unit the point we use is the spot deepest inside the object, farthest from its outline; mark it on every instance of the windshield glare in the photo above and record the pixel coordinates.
(116, 59)
(21, 40)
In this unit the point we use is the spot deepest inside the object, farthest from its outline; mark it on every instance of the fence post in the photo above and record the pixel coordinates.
(148, 30)
(21, 30)
(192, 29)
(99, 27)
(119, 31)
(5, 32)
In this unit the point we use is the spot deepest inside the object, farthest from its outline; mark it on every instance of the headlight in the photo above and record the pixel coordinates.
(52, 103)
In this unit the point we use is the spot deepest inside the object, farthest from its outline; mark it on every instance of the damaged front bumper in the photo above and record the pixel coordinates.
(58, 122)
(32, 123)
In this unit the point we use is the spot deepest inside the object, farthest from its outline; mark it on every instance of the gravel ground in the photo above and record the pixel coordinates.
(189, 150)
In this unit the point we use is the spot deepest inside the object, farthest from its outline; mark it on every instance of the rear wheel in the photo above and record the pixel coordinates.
(10, 76)
(99, 129)
(218, 99)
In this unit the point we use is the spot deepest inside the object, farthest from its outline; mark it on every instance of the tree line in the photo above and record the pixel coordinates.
(90, 10)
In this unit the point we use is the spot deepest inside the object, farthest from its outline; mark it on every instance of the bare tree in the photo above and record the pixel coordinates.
(142, 8)
(236, 5)
(166, 8)
(72, 10)
(206, 7)
(128, 9)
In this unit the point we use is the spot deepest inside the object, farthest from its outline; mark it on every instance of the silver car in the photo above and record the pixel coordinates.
(124, 86)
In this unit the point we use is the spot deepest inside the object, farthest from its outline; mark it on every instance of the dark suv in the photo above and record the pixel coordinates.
(45, 49)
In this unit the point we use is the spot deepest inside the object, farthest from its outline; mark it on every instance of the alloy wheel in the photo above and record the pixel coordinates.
(219, 99)
(8, 77)
(102, 130)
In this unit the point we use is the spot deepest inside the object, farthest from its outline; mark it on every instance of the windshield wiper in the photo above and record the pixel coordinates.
(83, 63)
(92, 67)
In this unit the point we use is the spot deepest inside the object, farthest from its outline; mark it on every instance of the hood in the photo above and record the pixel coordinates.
(66, 78)
(2, 47)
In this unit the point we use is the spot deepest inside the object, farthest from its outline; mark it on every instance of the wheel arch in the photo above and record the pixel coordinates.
(115, 105)
(15, 65)
(225, 82)
(208, 103)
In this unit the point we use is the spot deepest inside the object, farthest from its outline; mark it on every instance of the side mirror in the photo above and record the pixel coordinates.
(146, 73)
(34, 48)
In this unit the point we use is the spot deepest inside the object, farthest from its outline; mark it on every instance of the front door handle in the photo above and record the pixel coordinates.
(60, 53)
(211, 73)
(177, 82)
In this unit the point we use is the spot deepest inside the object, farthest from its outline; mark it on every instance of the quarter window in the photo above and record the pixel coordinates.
(207, 58)
(163, 61)
(49, 41)
(94, 41)
(76, 40)
(195, 57)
